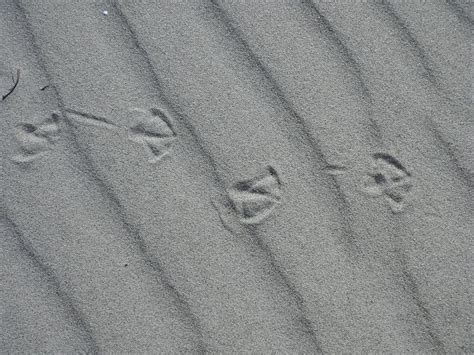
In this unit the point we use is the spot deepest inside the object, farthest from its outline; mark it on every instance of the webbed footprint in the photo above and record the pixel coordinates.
(34, 140)
(390, 179)
(251, 201)
(154, 132)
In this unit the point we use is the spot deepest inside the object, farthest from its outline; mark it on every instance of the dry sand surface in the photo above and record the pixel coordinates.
(236, 176)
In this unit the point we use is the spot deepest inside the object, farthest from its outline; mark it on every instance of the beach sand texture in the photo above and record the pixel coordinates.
(236, 176)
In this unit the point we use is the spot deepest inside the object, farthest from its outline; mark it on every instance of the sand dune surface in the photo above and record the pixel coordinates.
(236, 176)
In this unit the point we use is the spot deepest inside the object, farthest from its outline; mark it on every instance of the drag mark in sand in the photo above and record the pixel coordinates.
(154, 130)
(389, 178)
(333, 169)
(90, 119)
(35, 140)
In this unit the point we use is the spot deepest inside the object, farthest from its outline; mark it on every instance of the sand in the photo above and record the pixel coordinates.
(236, 176)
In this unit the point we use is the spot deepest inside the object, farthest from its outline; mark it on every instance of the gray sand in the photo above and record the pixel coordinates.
(236, 176)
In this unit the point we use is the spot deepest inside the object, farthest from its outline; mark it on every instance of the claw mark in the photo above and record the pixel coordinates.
(164, 117)
(154, 131)
(388, 178)
(36, 140)
(392, 161)
(224, 221)
(15, 83)
(255, 199)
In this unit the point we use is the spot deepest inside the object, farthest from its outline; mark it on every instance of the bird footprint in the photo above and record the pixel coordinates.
(388, 178)
(35, 140)
(154, 131)
(253, 200)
